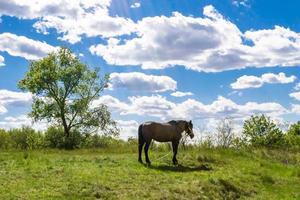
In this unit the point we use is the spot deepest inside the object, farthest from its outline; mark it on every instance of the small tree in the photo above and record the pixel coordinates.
(225, 134)
(294, 129)
(261, 131)
(292, 138)
(64, 89)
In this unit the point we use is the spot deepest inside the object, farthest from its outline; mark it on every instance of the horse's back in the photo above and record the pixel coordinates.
(161, 132)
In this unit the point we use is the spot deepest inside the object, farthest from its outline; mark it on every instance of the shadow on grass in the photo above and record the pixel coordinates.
(180, 168)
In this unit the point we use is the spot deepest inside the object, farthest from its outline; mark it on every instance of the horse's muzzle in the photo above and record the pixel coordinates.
(191, 135)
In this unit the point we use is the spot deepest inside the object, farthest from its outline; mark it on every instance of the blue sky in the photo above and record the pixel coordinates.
(202, 60)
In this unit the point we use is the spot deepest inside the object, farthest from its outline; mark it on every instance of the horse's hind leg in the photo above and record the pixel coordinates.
(175, 147)
(146, 148)
(141, 144)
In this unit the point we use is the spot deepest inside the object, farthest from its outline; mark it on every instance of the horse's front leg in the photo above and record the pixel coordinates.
(175, 147)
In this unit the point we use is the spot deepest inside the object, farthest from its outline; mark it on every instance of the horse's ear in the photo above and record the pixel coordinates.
(190, 122)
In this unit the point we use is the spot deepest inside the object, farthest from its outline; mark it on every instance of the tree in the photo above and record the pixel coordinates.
(261, 131)
(225, 134)
(292, 138)
(295, 129)
(64, 89)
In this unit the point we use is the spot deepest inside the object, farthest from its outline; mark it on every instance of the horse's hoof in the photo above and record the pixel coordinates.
(140, 161)
(148, 163)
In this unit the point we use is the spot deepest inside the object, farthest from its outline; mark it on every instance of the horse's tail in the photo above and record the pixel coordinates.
(140, 134)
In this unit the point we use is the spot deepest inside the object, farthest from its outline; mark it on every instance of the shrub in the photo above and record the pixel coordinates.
(5, 139)
(100, 141)
(225, 133)
(261, 131)
(26, 138)
(292, 138)
(55, 138)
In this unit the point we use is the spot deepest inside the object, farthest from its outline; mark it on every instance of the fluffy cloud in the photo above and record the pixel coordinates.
(19, 121)
(34, 9)
(72, 19)
(181, 94)
(24, 47)
(141, 82)
(297, 86)
(155, 105)
(211, 43)
(245, 81)
(160, 107)
(11, 98)
(127, 128)
(295, 95)
(296, 109)
(1, 61)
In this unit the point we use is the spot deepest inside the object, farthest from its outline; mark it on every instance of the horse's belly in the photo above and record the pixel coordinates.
(163, 138)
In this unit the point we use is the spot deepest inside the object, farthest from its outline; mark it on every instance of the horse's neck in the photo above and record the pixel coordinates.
(180, 128)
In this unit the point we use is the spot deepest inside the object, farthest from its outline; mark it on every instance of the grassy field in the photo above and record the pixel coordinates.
(107, 174)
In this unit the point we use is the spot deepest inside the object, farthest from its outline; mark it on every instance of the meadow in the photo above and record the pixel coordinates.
(114, 173)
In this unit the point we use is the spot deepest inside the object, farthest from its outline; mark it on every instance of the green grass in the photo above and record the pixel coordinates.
(107, 174)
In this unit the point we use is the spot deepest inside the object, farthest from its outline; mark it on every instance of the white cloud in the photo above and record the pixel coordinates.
(72, 19)
(2, 109)
(24, 47)
(296, 109)
(35, 9)
(155, 105)
(159, 107)
(245, 81)
(295, 95)
(297, 86)
(114, 104)
(141, 82)
(11, 98)
(211, 43)
(135, 5)
(1, 61)
(181, 94)
(19, 121)
(127, 128)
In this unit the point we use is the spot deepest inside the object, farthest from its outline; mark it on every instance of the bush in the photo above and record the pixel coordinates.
(55, 138)
(292, 138)
(26, 138)
(100, 141)
(5, 139)
(261, 131)
(225, 133)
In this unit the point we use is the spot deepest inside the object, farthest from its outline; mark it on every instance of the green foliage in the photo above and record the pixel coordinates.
(5, 139)
(55, 138)
(64, 89)
(25, 138)
(294, 129)
(292, 137)
(262, 131)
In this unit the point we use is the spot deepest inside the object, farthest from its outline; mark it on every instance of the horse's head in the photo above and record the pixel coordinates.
(189, 129)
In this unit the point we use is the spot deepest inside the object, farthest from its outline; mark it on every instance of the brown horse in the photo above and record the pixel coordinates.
(163, 132)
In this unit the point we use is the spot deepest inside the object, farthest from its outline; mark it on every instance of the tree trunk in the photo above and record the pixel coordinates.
(68, 142)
